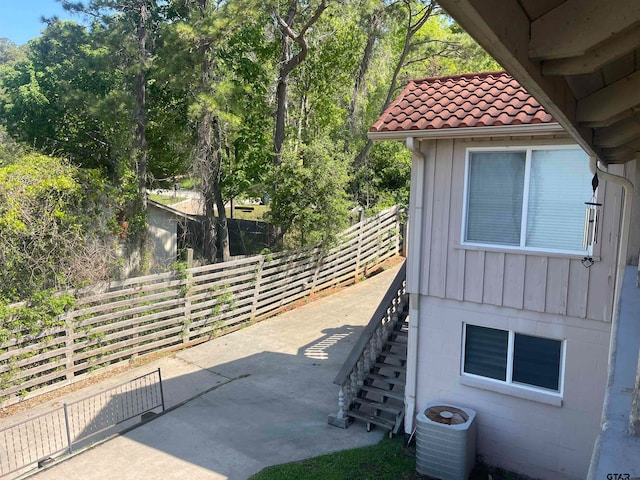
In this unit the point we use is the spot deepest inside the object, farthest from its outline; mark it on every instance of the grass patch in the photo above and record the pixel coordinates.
(240, 211)
(165, 199)
(388, 460)
(188, 183)
(248, 212)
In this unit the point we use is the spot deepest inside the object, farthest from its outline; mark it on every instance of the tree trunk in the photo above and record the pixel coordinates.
(140, 146)
(412, 29)
(221, 224)
(209, 165)
(374, 22)
(204, 167)
(281, 112)
(287, 64)
(223, 228)
(209, 162)
(282, 86)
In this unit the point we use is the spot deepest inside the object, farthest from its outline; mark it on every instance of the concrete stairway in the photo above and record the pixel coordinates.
(380, 401)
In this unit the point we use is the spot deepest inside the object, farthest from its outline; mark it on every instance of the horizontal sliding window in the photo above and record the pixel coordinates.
(530, 198)
(513, 358)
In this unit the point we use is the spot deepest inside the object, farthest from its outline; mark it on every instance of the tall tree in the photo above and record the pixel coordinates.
(372, 23)
(140, 144)
(417, 15)
(227, 88)
(10, 53)
(289, 61)
(136, 19)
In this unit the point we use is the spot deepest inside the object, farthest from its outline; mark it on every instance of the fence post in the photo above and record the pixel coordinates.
(68, 346)
(256, 288)
(378, 237)
(161, 388)
(66, 423)
(186, 330)
(397, 249)
(359, 254)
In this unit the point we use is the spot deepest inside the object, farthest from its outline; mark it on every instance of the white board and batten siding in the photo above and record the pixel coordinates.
(534, 281)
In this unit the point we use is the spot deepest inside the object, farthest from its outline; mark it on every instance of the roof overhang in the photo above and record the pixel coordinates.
(579, 58)
(173, 211)
(471, 132)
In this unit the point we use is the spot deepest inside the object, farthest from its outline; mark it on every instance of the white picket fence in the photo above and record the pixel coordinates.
(124, 319)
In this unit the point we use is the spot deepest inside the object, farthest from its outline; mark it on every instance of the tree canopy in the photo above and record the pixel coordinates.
(250, 98)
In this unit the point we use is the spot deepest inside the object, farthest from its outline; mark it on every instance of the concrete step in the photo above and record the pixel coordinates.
(398, 334)
(393, 368)
(391, 343)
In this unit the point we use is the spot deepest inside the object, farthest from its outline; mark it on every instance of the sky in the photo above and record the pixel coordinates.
(20, 19)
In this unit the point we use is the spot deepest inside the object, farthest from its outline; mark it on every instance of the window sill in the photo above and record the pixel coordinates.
(521, 251)
(513, 390)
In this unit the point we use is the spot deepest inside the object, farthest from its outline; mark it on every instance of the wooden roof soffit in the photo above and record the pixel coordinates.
(579, 58)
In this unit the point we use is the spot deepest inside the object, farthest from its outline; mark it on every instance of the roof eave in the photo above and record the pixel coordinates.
(173, 211)
(490, 131)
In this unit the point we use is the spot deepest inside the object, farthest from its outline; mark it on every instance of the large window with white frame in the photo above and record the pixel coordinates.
(529, 198)
(513, 358)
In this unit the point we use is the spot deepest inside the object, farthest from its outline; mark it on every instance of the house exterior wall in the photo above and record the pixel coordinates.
(527, 436)
(162, 229)
(533, 293)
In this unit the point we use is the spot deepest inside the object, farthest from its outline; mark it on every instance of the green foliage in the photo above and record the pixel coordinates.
(9, 148)
(66, 97)
(54, 224)
(388, 460)
(10, 53)
(386, 179)
(310, 202)
(40, 312)
(72, 92)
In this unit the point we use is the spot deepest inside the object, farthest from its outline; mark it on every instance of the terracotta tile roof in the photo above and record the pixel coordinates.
(469, 100)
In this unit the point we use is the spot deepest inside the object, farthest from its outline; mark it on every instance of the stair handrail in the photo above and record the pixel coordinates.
(367, 348)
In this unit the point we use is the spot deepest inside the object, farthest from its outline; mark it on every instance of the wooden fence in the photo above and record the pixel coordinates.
(124, 319)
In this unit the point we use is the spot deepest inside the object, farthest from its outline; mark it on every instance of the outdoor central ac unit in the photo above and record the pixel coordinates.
(445, 441)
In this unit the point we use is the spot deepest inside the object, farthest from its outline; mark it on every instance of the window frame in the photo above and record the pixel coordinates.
(528, 150)
(513, 387)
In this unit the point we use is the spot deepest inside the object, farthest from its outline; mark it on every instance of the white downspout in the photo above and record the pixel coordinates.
(414, 257)
(621, 265)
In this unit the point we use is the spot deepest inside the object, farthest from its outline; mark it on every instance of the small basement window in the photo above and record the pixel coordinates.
(513, 358)
(527, 198)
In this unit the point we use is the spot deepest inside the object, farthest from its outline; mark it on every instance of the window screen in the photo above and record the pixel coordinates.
(512, 357)
(494, 200)
(560, 183)
(486, 352)
(536, 361)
